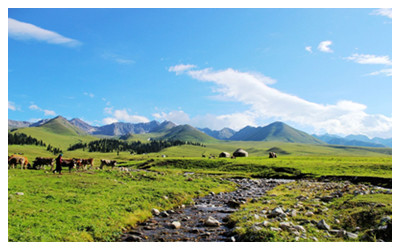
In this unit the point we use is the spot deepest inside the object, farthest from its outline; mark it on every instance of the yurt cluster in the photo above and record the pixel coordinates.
(238, 153)
(241, 153)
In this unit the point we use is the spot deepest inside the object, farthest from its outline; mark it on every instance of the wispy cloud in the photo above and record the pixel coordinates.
(324, 46)
(308, 48)
(12, 106)
(385, 72)
(181, 68)
(117, 58)
(122, 115)
(46, 112)
(176, 116)
(265, 102)
(383, 12)
(369, 59)
(26, 31)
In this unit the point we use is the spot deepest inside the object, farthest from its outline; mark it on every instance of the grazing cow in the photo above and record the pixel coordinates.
(110, 163)
(13, 160)
(86, 162)
(272, 155)
(70, 163)
(43, 161)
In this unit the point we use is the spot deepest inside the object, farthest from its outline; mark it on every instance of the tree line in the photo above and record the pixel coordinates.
(114, 145)
(23, 139)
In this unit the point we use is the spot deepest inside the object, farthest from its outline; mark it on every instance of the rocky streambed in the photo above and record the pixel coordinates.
(206, 220)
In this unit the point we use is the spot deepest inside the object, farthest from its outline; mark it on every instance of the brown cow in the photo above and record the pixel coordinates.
(86, 162)
(110, 163)
(43, 161)
(82, 163)
(70, 163)
(13, 160)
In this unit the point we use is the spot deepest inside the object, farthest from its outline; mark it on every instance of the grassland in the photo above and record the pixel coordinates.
(97, 205)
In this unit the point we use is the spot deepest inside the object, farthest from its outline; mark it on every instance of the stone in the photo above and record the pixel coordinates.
(309, 214)
(265, 223)
(322, 225)
(314, 238)
(212, 222)
(176, 225)
(275, 229)
(285, 225)
(155, 211)
(256, 217)
(255, 228)
(299, 228)
(233, 204)
(276, 212)
(351, 235)
(164, 214)
(133, 238)
(19, 193)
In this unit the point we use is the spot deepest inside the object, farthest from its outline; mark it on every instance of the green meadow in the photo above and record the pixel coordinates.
(97, 205)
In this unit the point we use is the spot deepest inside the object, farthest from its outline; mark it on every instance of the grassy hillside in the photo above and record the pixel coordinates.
(187, 133)
(49, 136)
(277, 131)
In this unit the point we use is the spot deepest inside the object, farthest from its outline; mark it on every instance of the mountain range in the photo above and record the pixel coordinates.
(276, 131)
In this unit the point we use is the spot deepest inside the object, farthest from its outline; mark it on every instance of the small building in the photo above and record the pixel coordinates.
(224, 155)
(240, 153)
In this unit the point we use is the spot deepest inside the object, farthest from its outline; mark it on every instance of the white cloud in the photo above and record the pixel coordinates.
(34, 107)
(308, 48)
(11, 105)
(324, 46)
(369, 59)
(176, 116)
(383, 12)
(385, 72)
(122, 115)
(49, 112)
(109, 120)
(264, 102)
(45, 111)
(26, 31)
(181, 68)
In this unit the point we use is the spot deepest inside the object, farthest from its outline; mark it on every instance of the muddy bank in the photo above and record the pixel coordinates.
(206, 220)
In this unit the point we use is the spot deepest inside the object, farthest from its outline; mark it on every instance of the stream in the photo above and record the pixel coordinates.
(193, 223)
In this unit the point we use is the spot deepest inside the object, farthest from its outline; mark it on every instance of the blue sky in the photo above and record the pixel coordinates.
(319, 70)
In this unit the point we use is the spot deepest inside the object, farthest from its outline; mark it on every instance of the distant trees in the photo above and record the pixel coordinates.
(111, 145)
(23, 139)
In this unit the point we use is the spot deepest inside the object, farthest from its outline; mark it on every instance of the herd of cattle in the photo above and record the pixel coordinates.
(41, 162)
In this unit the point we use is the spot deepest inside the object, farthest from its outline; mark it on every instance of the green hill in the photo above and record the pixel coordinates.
(277, 131)
(58, 132)
(187, 133)
(59, 125)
